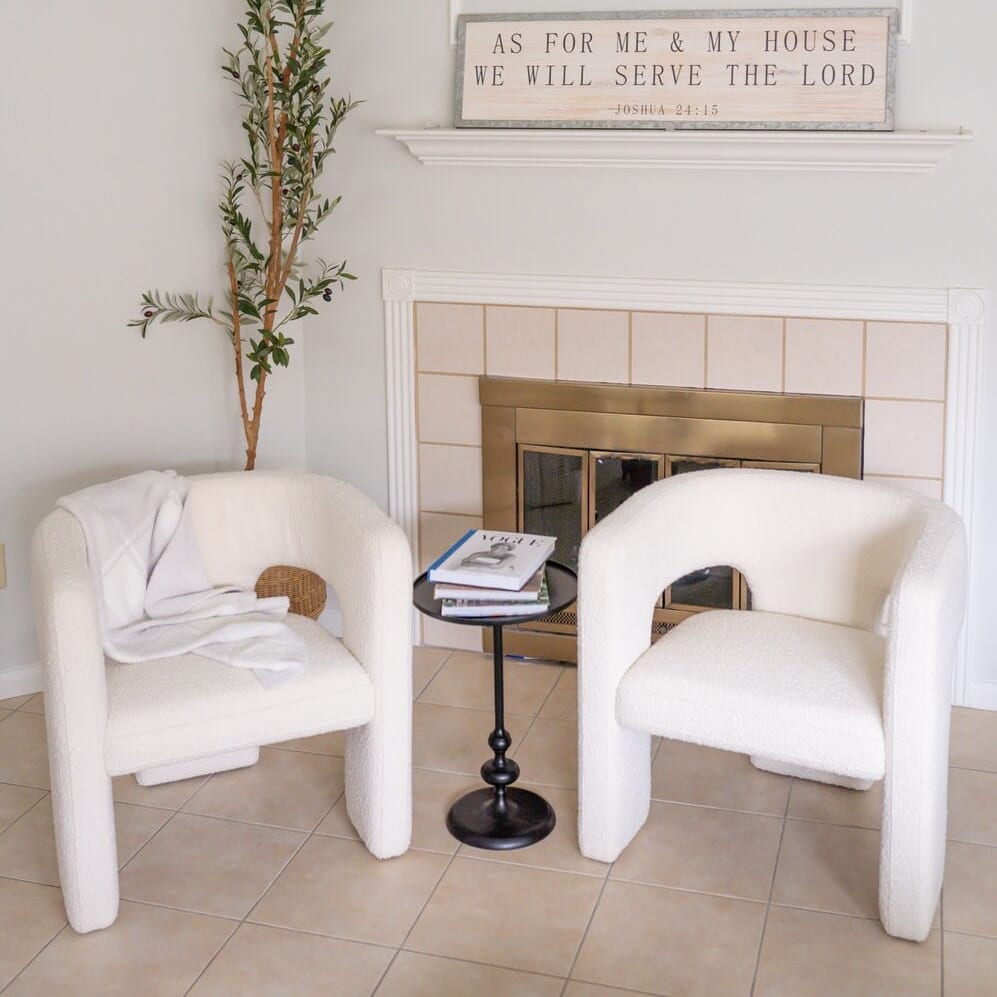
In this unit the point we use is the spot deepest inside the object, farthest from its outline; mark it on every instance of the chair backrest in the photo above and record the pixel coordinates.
(246, 521)
(811, 545)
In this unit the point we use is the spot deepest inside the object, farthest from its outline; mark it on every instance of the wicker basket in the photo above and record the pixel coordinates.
(304, 588)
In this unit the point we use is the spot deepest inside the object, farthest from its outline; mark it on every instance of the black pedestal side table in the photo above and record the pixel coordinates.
(502, 816)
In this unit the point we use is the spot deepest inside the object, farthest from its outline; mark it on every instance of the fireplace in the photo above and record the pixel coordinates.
(911, 353)
(558, 456)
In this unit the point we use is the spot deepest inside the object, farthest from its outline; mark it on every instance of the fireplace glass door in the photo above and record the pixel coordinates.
(564, 492)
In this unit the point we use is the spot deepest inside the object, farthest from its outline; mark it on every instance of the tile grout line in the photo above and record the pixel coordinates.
(140, 850)
(588, 926)
(453, 857)
(66, 926)
(304, 841)
(415, 921)
(768, 905)
(35, 957)
(550, 693)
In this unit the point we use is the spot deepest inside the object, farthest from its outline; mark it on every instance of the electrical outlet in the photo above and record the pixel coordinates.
(3, 566)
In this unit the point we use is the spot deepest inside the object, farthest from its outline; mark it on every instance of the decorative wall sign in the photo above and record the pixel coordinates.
(791, 69)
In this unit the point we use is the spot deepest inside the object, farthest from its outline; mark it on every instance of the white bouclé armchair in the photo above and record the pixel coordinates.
(841, 673)
(179, 717)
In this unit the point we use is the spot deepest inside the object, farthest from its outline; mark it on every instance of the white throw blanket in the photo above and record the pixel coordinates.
(154, 595)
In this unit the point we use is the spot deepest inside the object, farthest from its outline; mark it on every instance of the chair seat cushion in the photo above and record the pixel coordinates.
(780, 687)
(174, 709)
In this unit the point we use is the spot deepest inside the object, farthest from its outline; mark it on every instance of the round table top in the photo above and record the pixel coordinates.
(562, 583)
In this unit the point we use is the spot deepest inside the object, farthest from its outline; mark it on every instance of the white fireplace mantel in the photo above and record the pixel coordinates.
(810, 151)
(965, 311)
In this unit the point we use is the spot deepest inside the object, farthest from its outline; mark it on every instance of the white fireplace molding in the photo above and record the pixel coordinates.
(966, 311)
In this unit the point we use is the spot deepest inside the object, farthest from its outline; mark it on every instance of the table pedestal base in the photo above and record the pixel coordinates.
(483, 820)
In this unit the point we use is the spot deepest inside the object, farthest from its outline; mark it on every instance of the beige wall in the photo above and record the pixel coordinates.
(114, 119)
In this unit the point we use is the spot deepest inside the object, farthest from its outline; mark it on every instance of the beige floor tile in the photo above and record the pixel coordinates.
(576, 989)
(332, 743)
(432, 795)
(291, 789)
(827, 955)
(668, 942)
(562, 703)
(23, 752)
(337, 824)
(208, 865)
(456, 740)
(134, 826)
(30, 915)
(690, 773)
(35, 704)
(504, 915)
(828, 868)
(559, 850)
(971, 889)
(16, 801)
(970, 965)
(336, 887)
(467, 680)
(973, 742)
(836, 805)
(4, 714)
(711, 851)
(14, 703)
(167, 795)
(267, 962)
(150, 951)
(973, 806)
(27, 848)
(548, 755)
(415, 975)
(426, 662)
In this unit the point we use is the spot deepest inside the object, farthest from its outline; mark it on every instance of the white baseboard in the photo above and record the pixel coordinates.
(23, 681)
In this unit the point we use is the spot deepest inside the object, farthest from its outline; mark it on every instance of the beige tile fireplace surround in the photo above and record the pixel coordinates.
(912, 357)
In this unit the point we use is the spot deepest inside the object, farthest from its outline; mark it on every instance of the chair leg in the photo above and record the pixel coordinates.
(912, 850)
(614, 786)
(378, 774)
(86, 847)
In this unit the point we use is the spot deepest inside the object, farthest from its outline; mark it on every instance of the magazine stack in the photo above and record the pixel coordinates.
(493, 573)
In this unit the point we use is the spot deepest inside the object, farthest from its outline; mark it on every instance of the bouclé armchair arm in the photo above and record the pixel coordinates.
(364, 556)
(927, 608)
(69, 634)
(627, 561)
(68, 627)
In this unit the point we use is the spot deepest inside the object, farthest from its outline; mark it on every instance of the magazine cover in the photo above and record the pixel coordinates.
(492, 559)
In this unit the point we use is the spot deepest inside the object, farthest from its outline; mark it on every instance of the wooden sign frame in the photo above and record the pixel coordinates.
(797, 69)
